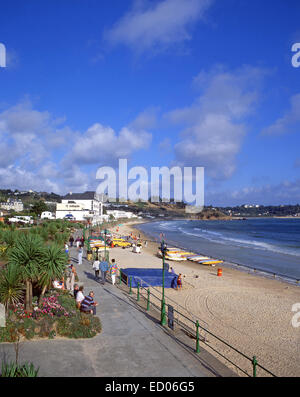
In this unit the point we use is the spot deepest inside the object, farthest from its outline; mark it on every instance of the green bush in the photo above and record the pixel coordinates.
(13, 370)
(67, 301)
(79, 326)
(72, 325)
(45, 327)
(8, 333)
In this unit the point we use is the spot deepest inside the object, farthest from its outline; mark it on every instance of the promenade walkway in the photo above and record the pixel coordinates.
(131, 343)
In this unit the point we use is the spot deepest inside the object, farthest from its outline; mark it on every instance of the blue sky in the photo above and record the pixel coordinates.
(163, 82)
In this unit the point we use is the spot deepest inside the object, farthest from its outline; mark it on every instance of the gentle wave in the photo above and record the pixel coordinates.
(244, 243)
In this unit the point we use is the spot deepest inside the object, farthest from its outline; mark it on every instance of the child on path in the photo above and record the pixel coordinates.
(179, 282)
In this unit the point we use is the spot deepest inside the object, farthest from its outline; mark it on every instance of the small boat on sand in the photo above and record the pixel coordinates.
(210, 262)
(197, 258)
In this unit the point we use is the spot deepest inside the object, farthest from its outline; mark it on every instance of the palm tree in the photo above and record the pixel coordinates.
(51, 267)
(11, 286)
(27, 254)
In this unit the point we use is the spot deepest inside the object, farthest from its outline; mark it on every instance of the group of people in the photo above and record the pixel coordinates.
(85, 304)
(104, 267)
(79, 241)
(79, 245)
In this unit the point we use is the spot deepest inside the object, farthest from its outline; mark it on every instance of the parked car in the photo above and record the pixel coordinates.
(118, 242)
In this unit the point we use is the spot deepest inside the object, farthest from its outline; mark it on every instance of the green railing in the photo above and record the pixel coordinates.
(195, 328)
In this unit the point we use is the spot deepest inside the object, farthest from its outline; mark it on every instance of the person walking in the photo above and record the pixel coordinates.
(80, 253)
(104, 266)
(67, 249)
(71, 241)
(96, 268)
(82, 241)
(113, 271)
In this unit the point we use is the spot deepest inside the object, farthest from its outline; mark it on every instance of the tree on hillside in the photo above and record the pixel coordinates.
(39, 207)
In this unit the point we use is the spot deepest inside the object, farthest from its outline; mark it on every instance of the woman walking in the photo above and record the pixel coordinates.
(80, 253)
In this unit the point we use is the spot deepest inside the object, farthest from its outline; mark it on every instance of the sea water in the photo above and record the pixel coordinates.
(271, 245)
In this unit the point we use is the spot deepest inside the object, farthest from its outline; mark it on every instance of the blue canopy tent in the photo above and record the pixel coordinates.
(148, 277)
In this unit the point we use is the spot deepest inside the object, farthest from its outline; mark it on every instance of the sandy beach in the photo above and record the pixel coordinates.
(250, 312)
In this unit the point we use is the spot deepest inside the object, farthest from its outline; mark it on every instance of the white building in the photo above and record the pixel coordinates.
(121, 214)
(21, 219)
(15, 205)
(83, 206)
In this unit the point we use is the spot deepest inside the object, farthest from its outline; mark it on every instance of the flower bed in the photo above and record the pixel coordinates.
(50, 306)
(55, 316)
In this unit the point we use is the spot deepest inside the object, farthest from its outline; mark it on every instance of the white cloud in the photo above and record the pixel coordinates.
(101, 145)
(39, 152)
(289, 123)
(156, 24)
(17, 177)
(215, 125)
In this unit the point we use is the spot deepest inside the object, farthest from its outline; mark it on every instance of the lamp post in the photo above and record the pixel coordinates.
(163, 307)
(105, 243)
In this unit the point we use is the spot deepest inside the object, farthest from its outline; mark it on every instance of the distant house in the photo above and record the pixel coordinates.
(121, 214)
(83, 206)
(11, 204)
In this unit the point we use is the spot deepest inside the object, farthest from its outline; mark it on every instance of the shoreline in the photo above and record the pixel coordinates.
(230, 264)
(251, 312)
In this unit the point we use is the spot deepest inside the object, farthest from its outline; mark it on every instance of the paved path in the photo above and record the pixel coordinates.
(130, 345)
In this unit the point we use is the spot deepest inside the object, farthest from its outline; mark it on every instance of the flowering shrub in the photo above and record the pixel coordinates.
(49, 307)
(56, 316)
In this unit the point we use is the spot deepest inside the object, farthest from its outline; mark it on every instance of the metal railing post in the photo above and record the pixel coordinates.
(254, 363)
(197, 337)
(148, 300)
(138, 292)
(130, 288)
(120, 281)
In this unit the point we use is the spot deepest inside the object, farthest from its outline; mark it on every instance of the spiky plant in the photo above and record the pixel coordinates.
(11, 286)
(52, 266)
(27, 254)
